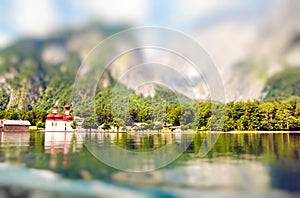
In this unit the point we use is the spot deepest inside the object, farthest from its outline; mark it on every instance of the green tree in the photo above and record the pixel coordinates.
(106, 126)
(118, 122)
(174, 116)
(40, 124)
(294, 123)
(297, 110)
(283, 112)
(90, 123)
(12, 115)
(267, 110)
(4, 99)
(74, 124)
(203, 114)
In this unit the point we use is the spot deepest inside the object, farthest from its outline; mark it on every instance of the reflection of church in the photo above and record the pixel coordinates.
(59, 122)
(60, 143)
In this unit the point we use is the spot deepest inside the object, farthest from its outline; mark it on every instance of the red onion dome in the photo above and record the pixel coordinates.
(67, 107)
(50, 116)
(69, 118)
(58, 117)
(55, 107)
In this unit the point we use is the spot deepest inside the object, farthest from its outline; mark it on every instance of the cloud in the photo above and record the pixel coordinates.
(190, 13)
(115, 11)
(42, 17)
(34, 17)
(196, 7)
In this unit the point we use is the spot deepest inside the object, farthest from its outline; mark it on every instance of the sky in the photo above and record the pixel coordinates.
(38, 18)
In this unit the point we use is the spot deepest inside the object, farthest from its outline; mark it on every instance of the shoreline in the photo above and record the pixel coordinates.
(165, 132)
(162, 132)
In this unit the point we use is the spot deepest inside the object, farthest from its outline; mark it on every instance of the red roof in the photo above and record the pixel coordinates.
(67, 107)
(50, 116)
(58, 117)
(55, 107)
(69, 118)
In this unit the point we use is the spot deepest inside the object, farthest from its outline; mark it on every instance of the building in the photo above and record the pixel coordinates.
(14, 125)
(139, 124)
(171, 127)
(59, 122)
(79, 121)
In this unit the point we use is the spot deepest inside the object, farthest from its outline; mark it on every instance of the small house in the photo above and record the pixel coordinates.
(139, 125)
(14, 125)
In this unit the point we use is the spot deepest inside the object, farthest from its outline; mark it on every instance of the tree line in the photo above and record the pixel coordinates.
(167, 108)
(263, 116)
(251, 115)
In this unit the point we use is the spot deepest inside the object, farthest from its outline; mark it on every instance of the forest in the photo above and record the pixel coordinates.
(167, 108)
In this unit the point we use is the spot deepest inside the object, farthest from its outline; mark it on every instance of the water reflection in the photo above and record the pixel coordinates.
(14, 139)
(137, 151)
(239, 164)
(60, 142)
(201, 174)
(136, 141)
(11, 146)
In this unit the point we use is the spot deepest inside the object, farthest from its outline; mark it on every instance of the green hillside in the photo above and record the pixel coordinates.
(283, 85)
(34, 73)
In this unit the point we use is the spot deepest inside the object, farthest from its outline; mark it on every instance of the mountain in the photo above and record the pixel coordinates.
(249, 51)
(283, 85)
(34, 73)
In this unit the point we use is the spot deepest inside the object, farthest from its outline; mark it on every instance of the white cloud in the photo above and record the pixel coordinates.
(116, 10)
(189, 12)
(196, 7)
(35, 17)
(39, 18)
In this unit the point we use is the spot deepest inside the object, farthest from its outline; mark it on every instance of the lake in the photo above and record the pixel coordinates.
(59, 164)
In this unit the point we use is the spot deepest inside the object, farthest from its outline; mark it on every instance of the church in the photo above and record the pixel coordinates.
(59, 122)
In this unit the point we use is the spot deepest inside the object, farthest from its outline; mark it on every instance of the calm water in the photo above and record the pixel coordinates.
(60, 165)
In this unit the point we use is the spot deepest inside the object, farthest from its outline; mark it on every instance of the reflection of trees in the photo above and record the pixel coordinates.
(143, 142)
(268, 145)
